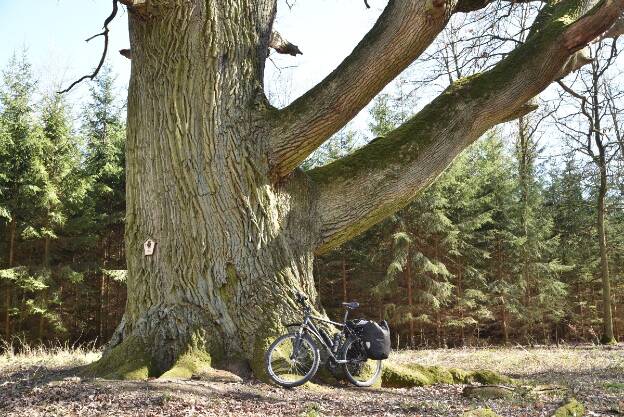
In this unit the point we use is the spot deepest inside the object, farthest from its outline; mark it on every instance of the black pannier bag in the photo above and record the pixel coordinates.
(376, 338)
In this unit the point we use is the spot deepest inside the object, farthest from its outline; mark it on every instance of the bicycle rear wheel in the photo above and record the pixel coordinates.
(292, 360)
(360, 370)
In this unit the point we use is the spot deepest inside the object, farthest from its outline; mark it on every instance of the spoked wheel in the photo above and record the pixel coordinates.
(360, 370)
(292, 360)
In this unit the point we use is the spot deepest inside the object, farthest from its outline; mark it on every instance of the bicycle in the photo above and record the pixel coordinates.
(293, 359)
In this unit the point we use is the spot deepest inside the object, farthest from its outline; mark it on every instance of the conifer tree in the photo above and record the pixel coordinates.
(104, 135)
(23, 174)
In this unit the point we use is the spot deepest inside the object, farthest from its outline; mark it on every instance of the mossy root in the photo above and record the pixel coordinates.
(194, 363)
(415, 375)
(131, 360)
(480, 412)
(571, 408)
(128, 360)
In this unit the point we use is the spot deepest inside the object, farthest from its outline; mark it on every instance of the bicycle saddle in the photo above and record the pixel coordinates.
(352, 305)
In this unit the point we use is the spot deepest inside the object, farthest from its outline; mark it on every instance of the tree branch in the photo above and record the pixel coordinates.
(283, 46)
(361, 189)
(104, 52)
(401, 34)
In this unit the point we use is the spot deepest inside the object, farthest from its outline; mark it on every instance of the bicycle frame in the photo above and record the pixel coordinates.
(309, 327)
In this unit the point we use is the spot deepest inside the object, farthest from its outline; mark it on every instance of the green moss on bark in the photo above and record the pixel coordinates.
(193, 363)
(128, 360)
(414, 375)
(489, 377)
(480, 412)
(265, 336)
(572, 408)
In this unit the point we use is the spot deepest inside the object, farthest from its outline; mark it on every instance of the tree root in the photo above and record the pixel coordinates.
(414, 375)
(571, 408)
(480, 412)
(192, 364)
(130, 360)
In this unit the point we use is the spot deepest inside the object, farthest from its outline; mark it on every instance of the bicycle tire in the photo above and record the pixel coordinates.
(310, 374)
(352, 379)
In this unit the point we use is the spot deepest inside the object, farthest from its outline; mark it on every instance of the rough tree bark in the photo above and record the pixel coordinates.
(212, 177)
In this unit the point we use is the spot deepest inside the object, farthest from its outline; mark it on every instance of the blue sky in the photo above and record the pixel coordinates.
(53, 32)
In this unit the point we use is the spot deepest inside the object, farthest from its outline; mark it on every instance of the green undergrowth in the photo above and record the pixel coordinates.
(414, 375)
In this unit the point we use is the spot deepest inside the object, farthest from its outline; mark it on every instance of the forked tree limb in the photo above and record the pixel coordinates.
(597, 22)
(401, 34)
(361, 189)
(104, 33)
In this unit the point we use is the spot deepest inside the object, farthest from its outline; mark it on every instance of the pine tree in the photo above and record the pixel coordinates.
(61, 159)
(498, 237)
(23, 175)
(536, 267)
(104, 135)
(572, 223)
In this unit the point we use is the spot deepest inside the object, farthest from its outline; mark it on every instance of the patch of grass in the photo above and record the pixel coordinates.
(312, 410)
(519, 361)
(18, 355)
(480, 412)
(614, 386)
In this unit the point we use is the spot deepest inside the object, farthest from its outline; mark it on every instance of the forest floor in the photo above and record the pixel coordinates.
(43, 383)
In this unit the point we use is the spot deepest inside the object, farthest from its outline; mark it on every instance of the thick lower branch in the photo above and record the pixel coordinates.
(404, 30)
(361, 189)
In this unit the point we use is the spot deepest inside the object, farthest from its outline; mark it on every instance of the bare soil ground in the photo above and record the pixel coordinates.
(43, 383)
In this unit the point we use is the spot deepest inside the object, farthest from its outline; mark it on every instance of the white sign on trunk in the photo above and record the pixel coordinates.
(148, 247)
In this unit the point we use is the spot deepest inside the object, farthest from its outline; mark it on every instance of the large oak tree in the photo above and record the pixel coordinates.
(212, 167)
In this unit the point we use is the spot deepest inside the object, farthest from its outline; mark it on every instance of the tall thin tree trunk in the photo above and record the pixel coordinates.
(410, 297)
(504, 322)
(9, 287)
(12, 236)
(46, 251)
(460, 294)
(607, 315)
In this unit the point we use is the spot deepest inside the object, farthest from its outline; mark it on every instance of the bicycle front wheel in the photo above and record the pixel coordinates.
(359, 370)
(292, 360)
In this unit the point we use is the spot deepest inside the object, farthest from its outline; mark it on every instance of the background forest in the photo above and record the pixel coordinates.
(505, 247)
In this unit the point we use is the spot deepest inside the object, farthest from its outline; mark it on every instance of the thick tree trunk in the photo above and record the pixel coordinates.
(231, 246)
(211, 166)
